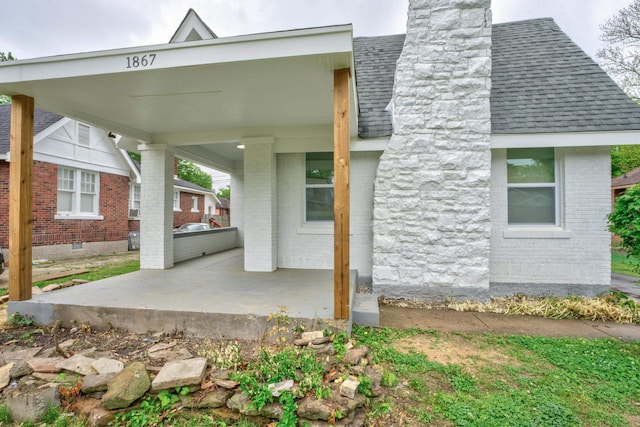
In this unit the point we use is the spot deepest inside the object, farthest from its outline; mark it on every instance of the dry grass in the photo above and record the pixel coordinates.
(614, 306)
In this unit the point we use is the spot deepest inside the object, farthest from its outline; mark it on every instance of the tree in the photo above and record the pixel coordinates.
(621, 56)
(4, 99)
(625, 222)
(189, 171)
(624, 158)
(224, 193)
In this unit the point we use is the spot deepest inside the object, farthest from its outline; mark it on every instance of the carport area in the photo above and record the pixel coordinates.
(211, 296)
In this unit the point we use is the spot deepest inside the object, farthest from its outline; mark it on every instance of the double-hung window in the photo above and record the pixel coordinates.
(194, 204)
(176, 200)
(78, 192)
(532, 186)
(134, 200)
(319, 187)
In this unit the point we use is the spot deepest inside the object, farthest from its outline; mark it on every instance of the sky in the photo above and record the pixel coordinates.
(37, 28)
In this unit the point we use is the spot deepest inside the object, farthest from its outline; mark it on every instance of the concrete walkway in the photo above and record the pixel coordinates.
(627, 284)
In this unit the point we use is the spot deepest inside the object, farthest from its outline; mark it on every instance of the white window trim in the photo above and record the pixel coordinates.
(75, 213)
(318, 226)
(543, 231)
(132, 199)
(176, 208)
(194, 204)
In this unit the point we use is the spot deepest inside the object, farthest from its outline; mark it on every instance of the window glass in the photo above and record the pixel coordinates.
(176, 200)
(77, 199)
(531, 186)
(319, 187)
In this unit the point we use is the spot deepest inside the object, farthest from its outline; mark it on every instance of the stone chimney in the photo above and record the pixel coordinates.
(431, 208)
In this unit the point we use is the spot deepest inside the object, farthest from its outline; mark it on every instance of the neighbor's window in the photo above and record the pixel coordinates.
(134, 200)
(319, 187)
(531, 186)
(176, 200)
(194, 204)
(77, 192)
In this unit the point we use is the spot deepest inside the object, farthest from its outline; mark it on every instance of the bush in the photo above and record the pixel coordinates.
(625, 222)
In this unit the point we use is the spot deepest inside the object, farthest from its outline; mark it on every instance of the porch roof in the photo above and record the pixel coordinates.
(196, 93)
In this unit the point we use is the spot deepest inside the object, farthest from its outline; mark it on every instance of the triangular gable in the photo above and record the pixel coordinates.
(192, 28)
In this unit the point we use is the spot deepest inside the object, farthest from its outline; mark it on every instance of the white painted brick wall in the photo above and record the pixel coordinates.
(260, 210)
(156, 222)
(236, 206)
(311, 245)
(583, 258)
(193, 245)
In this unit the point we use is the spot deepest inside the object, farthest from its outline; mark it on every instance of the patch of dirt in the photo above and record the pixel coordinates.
(453, 349)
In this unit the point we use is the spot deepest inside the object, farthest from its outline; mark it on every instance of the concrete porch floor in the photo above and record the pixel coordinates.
(211, 296)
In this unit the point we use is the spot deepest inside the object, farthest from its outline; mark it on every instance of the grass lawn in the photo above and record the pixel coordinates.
(98, 273)
(621, 264)
(487, 380)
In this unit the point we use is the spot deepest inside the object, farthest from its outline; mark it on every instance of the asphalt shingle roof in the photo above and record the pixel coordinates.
(630, 178)
(41, 120)
(541, 82)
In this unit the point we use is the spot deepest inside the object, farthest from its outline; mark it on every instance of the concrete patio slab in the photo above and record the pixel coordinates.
(211, 296)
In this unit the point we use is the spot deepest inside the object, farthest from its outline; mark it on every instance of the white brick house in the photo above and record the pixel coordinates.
(479, 153)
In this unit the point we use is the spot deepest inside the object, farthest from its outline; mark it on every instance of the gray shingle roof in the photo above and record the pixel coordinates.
(41, 120)
(375, 59)
(542, 82)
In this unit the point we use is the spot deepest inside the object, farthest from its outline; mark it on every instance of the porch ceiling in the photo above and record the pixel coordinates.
(195, 93)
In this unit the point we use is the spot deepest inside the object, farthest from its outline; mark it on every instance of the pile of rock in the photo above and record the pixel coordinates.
(99, 385)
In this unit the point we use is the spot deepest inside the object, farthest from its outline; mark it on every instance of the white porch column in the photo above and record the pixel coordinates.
(260, 220)
(156, 204)
(237, 204)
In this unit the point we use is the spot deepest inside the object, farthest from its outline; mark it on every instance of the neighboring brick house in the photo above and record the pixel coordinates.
(80, 183)
(190, 200)
(620, 183)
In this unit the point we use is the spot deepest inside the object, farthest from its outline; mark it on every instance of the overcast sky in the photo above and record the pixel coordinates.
(35, 28)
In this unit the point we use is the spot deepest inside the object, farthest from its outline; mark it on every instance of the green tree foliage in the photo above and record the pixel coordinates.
(621, 55)
(224, 193)
(6, 57)
(189, 171)
(135, 156)
(624, 158)
(625, 222)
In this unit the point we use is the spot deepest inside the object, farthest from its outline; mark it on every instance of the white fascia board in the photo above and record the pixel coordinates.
(192, 190)
(569, 139)
(48, 131)
(78, 164)
(132, 166)
(314, 41)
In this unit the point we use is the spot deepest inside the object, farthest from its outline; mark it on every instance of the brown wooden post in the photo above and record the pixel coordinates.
(20, 177)
(341, 193)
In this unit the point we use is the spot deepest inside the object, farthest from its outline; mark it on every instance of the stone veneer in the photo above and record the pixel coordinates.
(431, 204)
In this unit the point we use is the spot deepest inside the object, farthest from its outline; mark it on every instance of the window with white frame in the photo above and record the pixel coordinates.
(134, 200)
(78, 192)
(318, 187)
(194, 204)
(176, 200)
(84, 135)
(532, 186)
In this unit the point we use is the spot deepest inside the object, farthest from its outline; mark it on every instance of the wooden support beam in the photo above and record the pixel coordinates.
(341, 159)
(20, 178)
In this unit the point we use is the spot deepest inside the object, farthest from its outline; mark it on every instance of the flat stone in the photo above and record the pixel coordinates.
(5, 375)
(242, 403)
(228, 384)
(67, 344)
(321, 340)
(349, 387)
(94, 383)
(161, 346)
(354, 355)
(19, 354)
(278, 388)
(170, 355)
(127, 387)
(51, 287)
(93, 412)
(301, 342)
(36, 290)
(107, 366)
(20, 369)
(180, 373)
(312, 335)
(213, 399)
(45, 364)
(61, 378)
(79, 364)
(314, 409)
(31, 405)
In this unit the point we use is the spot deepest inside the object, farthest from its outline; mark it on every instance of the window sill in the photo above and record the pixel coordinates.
(195, 211)
(550, 232)
(317, 228)
(177, 210)
(74, 216)
(134, 218)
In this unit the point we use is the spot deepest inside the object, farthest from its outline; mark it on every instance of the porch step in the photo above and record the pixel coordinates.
(365, 311)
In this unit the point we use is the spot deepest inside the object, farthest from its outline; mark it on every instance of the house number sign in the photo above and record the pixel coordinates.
(141, 61)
